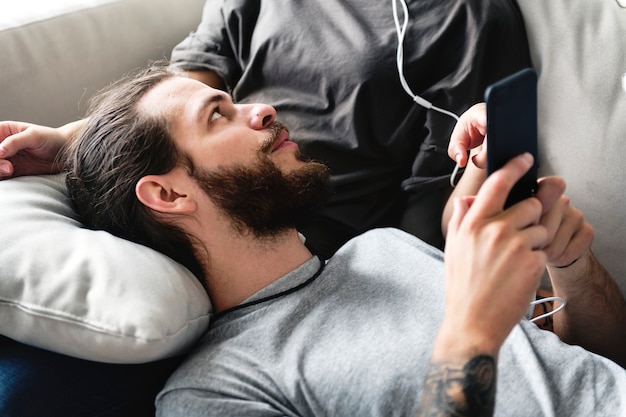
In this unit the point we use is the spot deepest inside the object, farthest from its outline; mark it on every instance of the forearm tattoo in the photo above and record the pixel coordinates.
(453, 389)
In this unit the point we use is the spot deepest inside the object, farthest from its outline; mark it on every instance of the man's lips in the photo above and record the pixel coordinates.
(283, 141)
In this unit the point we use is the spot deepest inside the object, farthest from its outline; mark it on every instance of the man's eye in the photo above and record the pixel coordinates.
(215, 115)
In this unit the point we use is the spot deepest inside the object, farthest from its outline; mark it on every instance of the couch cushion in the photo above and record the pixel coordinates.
(87, 293)
(26, 12)
(55, 55)
(579, 51)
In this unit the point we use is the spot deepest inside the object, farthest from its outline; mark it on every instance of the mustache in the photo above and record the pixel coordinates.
(274, 131)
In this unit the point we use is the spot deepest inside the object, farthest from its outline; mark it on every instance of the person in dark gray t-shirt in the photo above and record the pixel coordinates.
(329, 68)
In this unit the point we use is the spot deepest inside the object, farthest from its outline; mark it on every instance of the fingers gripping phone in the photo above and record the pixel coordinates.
(512, 128)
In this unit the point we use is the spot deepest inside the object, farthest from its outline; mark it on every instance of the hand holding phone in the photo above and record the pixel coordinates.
(512, 128)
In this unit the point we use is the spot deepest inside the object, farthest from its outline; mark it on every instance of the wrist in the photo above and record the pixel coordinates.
(457, 344)
(577, 266)
(69, 130)
(567, 265)
(574, 280)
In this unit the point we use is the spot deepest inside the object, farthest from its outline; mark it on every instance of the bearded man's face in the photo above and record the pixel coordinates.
(261, 199)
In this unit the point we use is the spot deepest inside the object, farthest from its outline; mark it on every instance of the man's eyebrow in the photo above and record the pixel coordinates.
(207, 102)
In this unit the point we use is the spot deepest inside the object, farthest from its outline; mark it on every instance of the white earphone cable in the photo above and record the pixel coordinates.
(549, 313)
(401, 31)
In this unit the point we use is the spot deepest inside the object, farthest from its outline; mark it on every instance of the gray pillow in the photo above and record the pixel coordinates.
(87, 293)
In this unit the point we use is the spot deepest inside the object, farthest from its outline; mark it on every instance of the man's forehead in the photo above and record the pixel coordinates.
(173, 95)
(165, 96)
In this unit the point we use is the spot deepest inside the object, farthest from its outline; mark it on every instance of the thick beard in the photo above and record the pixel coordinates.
(262, 200)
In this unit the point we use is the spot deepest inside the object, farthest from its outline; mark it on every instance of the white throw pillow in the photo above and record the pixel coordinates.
(579, 51)
(87, 293)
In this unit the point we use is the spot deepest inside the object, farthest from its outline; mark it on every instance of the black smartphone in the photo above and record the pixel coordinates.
(512, 127)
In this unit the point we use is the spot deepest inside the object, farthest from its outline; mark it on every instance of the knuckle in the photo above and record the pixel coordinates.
(535, 205)
(551, 252)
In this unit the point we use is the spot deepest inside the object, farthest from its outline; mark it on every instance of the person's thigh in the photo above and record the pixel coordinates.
(39, 383)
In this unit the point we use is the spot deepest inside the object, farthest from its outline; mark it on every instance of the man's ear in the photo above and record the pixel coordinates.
(163, 194)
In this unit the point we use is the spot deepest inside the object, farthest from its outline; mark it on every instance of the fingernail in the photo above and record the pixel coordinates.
(5, 169)
(457, 158)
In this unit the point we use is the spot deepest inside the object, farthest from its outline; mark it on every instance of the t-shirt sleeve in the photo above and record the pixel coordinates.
(218, 42)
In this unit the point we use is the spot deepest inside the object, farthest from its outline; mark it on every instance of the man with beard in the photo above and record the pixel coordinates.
(168, 162)
(327, 65)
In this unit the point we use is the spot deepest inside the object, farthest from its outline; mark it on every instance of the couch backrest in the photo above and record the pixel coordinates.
(579, 51)
(55, 57)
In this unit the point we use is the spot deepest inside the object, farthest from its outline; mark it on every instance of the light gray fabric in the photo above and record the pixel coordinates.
(57, 54)
(579, 51)
(86, 293)
(357, 340)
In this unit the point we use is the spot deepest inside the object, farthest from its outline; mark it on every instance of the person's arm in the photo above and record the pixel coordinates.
(29, 149)
(469, 184)
(595, 315)
(493, 266)
(467, 137)
(460, 386)
(596, 309)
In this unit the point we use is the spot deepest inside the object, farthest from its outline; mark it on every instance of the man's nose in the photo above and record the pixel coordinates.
(261, 115)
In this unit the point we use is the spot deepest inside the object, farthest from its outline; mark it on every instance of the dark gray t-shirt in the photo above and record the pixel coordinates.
(329, 68)
(356, 341)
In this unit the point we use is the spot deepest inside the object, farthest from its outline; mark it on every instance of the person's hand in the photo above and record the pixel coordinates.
(569, 234)
(29, 149)
(494, 261)
(469, 133)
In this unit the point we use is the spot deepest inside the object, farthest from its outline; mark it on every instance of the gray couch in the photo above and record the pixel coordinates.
(52, 60)
(578, 50)
(56, 56)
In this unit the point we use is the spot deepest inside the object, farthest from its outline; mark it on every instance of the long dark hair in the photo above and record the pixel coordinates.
(118, 146)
